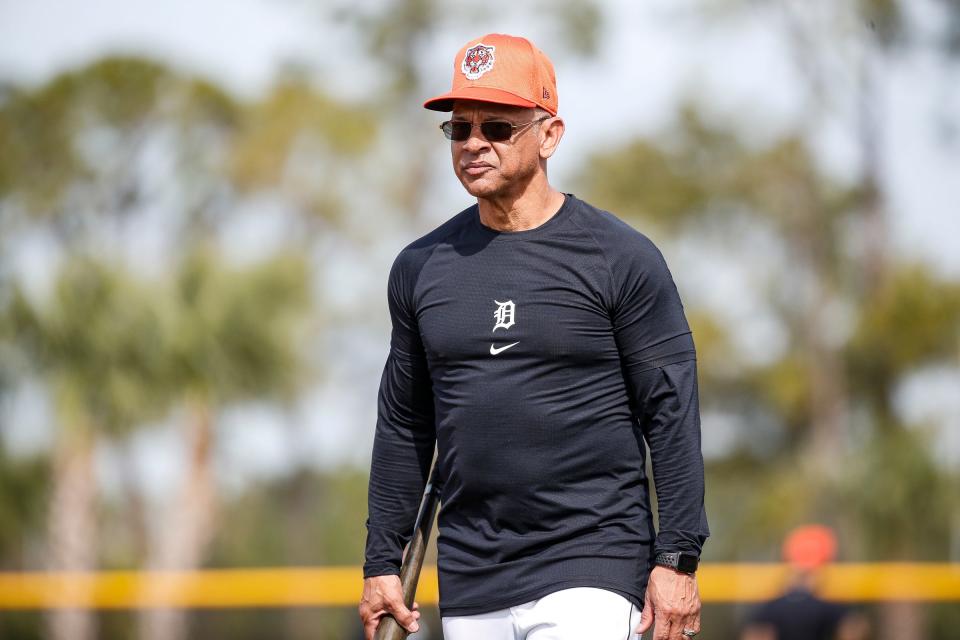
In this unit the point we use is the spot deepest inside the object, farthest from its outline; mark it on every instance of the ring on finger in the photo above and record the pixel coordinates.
(689, 633)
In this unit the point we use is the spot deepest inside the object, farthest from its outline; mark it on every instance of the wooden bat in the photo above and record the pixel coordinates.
(389, 628)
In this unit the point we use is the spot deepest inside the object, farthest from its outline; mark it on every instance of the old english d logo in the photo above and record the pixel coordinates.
(504, 319)
(504, 314)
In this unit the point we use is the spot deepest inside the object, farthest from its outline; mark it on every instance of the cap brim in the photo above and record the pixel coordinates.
(479, 94)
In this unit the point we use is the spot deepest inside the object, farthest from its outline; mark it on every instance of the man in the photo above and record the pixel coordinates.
(799, 614)
(538, 342)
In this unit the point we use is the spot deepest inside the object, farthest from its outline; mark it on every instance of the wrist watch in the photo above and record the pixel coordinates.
(678, 560)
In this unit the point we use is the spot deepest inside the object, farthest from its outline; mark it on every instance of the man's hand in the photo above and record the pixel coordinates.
(672, 602)
(383, 595)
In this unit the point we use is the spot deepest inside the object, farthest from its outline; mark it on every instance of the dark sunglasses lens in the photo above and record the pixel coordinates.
(457, 130)
(496, 131)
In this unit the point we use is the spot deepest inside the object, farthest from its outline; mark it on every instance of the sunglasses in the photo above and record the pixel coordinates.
(492, 130)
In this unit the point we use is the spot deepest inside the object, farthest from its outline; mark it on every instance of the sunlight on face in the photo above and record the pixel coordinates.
(492, 169)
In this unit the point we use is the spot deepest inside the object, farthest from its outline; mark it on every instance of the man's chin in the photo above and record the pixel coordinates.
(480, 188)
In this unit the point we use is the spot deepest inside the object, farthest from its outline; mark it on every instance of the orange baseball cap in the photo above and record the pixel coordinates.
(501, 69)
(810, 546)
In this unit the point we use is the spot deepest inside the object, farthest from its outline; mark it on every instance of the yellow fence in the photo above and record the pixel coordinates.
(340, 586)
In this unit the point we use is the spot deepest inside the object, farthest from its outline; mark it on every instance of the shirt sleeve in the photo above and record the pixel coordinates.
(658, 358)
(405, 433)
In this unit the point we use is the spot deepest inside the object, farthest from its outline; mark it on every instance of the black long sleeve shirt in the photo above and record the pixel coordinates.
(539, 362)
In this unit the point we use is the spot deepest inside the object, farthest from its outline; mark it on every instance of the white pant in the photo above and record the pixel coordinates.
(579, 613)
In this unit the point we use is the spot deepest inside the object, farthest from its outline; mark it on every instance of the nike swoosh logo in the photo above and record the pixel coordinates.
(495, 350)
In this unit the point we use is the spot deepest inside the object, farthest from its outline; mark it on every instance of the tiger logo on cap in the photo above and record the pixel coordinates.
(477, 60)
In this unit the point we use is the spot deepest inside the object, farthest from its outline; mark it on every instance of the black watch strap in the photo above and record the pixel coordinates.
(682, 562)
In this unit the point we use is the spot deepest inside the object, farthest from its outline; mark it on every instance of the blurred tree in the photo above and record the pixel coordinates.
(117, 353)
(75, 168)
(24, 480)
(234, 334)
(75, 150)
(297, 142)
(24, 486)
(913, 321)
(85, 161)
(98, 344)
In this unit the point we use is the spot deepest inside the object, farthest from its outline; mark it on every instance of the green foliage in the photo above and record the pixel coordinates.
(118, 350)
(66, 147)
(39, 155)
(716, 356)
(911, 321)
(121, 350)
(303, 519)
(785, 388)
(202, 102)
(36, 158)
(22, 625)
(642, 182)
(294, 126)
(753, 501)
(99, 341)
(24, 486)
(121, 92)
(909, 502)
(784, 183)
(234, 332)
(70, 148)
(891, 503)
(668, 181)
(699, 170)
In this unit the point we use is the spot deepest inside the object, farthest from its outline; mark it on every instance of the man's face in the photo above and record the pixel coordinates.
(491, 169)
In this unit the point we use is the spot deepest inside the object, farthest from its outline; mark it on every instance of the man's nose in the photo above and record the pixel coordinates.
(475, 142)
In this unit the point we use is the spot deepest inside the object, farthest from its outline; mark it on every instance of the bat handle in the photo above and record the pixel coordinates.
(389, 628)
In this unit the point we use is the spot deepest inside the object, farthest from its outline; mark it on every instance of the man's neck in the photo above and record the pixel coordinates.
(519, 212)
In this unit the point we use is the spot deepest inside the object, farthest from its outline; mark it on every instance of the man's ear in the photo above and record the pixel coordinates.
(550, 133)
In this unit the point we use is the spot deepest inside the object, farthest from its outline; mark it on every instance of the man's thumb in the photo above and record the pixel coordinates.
(646, 616)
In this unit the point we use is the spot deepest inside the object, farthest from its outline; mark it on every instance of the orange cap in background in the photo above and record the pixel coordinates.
(501, 69)
(810, 546)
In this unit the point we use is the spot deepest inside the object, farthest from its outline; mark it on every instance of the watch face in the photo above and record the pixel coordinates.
(687, 563)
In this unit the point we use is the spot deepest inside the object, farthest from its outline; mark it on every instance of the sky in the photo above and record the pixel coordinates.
(649, 59)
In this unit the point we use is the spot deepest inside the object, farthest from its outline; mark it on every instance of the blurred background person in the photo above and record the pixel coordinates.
(800, 614)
